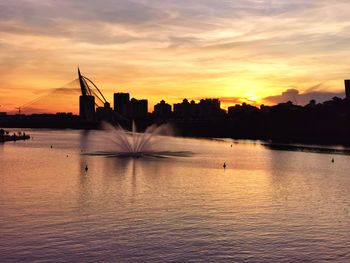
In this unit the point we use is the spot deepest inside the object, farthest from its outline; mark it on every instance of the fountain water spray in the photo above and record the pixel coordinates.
(134, 144)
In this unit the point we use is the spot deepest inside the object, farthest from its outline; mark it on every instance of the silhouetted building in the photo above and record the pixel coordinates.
(87, 107)
(242, 109)
(347, 88)
(137, 108)
(210, 108)
(186, 109)
(182, 109)
(162, 109)
(105, 113)
(121, 103)
(206, 108)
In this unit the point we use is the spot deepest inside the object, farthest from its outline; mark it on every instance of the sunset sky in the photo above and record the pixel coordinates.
(238, 50)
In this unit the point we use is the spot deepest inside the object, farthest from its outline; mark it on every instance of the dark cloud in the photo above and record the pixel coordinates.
(304, 98)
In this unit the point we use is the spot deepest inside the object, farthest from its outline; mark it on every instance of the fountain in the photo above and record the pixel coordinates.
(133, 144)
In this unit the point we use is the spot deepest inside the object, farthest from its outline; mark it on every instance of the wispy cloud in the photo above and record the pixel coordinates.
(160, 48)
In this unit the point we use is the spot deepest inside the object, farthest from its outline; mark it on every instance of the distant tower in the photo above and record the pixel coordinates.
(86, 102)
(347, 88)
(121, 103)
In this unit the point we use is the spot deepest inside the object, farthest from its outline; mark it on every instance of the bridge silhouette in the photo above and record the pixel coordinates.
(63, 99)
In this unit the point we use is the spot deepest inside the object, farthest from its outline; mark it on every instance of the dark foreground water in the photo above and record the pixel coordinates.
(267, 206)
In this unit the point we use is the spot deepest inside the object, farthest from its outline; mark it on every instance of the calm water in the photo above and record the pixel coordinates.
(267, 206)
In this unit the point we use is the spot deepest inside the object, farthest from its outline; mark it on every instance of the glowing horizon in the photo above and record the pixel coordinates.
(242, 51)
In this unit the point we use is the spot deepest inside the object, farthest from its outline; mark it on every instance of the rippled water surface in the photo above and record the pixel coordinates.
(268, 205)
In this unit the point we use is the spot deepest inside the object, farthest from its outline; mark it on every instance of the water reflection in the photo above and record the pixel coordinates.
(85, 184)
(2, 149)
(268, 206)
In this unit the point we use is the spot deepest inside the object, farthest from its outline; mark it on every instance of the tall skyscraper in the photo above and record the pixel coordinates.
(121, 103)
(87, 107)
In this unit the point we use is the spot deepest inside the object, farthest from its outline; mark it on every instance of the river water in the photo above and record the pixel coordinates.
(267, 205)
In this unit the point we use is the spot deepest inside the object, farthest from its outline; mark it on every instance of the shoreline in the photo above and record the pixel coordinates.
(178, 133)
